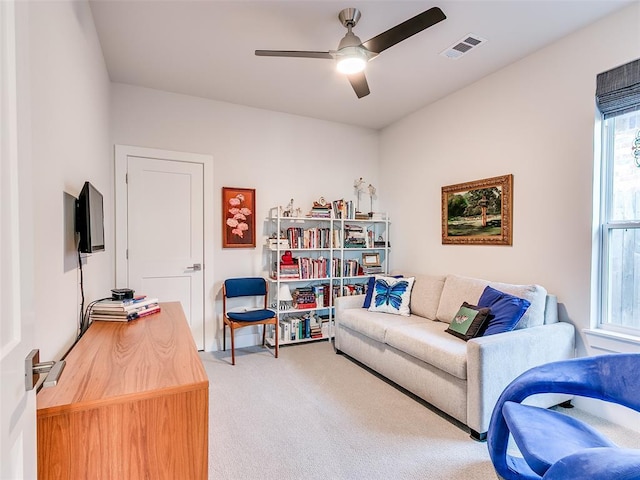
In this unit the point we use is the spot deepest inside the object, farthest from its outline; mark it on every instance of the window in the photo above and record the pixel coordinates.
(619, 216)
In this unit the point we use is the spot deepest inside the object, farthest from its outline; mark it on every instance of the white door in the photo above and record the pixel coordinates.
(17, 406)
(165, 234)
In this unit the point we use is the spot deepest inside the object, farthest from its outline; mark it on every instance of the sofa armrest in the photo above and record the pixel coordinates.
(348, 301)
(496, 360)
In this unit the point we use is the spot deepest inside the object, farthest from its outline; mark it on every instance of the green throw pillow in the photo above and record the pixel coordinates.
(468, 322)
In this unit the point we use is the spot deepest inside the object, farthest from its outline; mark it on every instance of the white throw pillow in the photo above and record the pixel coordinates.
(392, 295)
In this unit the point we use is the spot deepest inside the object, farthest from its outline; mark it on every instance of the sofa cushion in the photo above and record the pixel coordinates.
(392, 295)
(458, 289)
(506, 310)
(373, 324)
(469, 321)
(425, 295)
(428, 341)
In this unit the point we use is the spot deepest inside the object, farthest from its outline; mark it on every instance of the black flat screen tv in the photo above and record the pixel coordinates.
(90, 220)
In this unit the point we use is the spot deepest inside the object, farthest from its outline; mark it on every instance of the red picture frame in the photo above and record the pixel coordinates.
(238, 217)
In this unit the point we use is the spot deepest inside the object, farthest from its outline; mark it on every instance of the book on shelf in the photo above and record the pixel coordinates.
(299, 328)
(301, 306)
(372, 270)
(274, 243)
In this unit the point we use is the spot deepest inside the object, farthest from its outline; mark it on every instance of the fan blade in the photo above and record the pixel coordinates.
(293, 53)
(404, 30)
(359, 83)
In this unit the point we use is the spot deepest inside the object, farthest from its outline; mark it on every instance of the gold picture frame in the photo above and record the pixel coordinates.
(478, 213)
(371, 259)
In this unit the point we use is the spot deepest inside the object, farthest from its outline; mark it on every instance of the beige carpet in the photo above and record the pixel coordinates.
(312, 414)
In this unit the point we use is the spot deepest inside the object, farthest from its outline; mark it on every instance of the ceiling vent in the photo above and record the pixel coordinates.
(463, 46)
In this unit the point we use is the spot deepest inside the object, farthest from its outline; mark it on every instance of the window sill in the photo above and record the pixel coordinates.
(605, 341)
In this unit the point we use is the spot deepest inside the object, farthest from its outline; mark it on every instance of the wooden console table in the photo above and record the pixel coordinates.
(132, 403)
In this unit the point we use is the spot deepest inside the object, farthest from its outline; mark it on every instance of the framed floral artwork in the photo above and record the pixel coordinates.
(238, 217)
(479, 212)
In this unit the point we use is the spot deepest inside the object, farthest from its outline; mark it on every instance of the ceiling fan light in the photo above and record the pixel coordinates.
(351, 60)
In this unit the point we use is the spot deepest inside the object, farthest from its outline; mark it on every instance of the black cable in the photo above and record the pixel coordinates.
(87, 314)
(83, 322)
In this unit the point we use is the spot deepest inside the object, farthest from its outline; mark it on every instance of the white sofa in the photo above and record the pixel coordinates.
(463, 379)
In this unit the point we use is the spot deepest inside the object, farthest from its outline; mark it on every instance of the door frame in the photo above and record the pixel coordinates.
(122, 152)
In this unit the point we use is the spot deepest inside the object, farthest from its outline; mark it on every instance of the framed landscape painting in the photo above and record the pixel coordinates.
(478, 213)
(238, 217)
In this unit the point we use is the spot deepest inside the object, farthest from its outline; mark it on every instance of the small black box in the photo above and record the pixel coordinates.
(121, 293)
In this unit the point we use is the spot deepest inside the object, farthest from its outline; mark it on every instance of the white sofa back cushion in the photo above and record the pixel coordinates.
(458, 289)
(425, 296)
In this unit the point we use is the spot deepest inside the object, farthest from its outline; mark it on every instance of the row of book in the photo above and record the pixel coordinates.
(301, 328)
(123, 310)
(355, 237)
(303, 268)
(344, 209)
(309, 237)
(318, 268)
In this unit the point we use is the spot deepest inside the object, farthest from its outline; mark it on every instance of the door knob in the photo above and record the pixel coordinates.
(195, 267)
(33, 369)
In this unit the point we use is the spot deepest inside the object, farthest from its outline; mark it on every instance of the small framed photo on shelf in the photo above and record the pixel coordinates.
(238, 217)
(370, 259)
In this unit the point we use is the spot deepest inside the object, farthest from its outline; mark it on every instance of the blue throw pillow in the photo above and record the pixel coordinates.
(370, 289)
(506, 310)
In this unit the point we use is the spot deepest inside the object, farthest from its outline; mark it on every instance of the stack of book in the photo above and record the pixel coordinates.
(275, 243)
(304, 297)
(315, 330)
(123, 310)
(372, 270)
(320, 211)
(355, 237)
(287, 271)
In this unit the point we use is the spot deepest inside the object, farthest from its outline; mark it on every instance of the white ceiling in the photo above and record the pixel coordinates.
(206, 49)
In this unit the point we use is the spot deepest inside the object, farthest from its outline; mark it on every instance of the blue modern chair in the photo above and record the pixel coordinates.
(246, 287)
(555, 446)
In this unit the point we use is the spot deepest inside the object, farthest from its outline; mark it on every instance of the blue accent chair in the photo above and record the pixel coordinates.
(246, 287)
(555, 446)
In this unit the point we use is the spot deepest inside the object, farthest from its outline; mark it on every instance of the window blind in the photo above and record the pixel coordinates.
(618, 89)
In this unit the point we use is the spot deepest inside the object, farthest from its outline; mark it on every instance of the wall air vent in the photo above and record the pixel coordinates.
(463, 46)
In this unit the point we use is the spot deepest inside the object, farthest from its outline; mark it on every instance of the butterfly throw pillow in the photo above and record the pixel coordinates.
(392, 295)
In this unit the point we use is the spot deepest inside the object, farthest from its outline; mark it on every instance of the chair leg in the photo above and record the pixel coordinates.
(264, 334)
(233, 345)
(224, 337)
(277, 335)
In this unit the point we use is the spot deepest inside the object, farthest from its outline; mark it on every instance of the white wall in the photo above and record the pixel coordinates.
(282, 156)
(70, 144)
(534, 119)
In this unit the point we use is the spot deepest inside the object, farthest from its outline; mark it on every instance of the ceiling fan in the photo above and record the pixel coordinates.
(352, 54)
